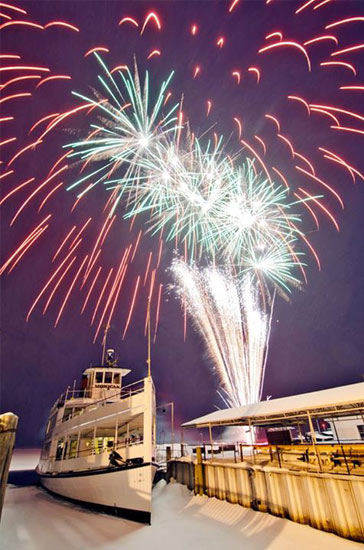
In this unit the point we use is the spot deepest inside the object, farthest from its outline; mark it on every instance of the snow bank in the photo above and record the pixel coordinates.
(33, 520)
(24, 459)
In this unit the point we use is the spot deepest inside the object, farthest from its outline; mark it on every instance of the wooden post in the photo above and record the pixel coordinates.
(252, 438)
(210, 432)
(199, 488)
(78, 444)
(314, 443)
(168, 453)
(116, 434)
(346, 462)
(182, 436)
(94, 441)
(8, 426)
(172, 422)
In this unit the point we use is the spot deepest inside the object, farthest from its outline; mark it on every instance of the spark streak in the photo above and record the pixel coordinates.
(235, 330)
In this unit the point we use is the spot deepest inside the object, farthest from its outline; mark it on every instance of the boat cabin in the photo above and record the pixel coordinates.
(98, 383)
(102, 382)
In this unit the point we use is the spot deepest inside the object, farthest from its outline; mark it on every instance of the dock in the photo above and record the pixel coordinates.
(34, 520)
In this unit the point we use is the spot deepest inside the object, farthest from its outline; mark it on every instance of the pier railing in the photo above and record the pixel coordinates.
(333, 457)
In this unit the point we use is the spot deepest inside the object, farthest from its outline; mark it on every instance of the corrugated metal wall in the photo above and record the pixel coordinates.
(329, 502)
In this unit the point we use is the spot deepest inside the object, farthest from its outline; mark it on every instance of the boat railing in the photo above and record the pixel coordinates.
(125, 393)
(96, 450)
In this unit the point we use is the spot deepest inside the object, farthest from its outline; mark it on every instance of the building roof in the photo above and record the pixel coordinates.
(340, 401)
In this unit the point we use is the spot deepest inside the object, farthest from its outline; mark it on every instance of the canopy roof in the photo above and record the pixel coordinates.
(334, 402)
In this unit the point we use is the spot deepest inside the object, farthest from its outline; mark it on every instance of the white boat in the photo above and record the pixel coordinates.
(99, 447)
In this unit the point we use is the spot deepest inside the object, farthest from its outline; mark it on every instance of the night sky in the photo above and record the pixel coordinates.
(317, 337)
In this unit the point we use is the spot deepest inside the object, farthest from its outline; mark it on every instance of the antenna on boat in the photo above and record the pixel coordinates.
(149, 358)
(104, 344)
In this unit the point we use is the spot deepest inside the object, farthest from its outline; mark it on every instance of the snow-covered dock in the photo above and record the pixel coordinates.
(34, 520)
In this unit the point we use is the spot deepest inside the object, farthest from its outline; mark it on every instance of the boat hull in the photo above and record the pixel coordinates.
(121, 491)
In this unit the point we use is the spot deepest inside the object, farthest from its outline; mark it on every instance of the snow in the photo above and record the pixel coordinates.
(24, 459)
(34, 520)
(343, 395)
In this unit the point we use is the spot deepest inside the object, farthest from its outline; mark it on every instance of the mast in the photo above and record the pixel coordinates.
(149, 357)
(104, 344)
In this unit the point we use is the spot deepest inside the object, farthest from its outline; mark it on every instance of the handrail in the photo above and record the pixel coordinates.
(63, 396)
(98, 450)
(119, 392)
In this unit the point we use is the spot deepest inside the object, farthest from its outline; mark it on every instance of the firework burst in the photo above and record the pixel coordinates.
(194, 191)
(128, 131)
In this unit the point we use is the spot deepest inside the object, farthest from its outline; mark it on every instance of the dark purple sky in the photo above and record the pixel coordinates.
(317, 338)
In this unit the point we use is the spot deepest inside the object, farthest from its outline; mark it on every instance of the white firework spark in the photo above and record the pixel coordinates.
(227, 314)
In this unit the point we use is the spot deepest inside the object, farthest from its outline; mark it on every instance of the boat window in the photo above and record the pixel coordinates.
(108, 377)
(67, 413)
(136, 428)
(103, 444)
(99, 375)
(85, 446)
(72, 446)
(104, 440)
(59, 450)
(51, 423)
(131, 433)
(84, 381)
(78, 410)
(45, 450)
(122, 435)
(116, 377)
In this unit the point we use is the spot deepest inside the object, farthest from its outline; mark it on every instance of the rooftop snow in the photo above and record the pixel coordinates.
(334, 401)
